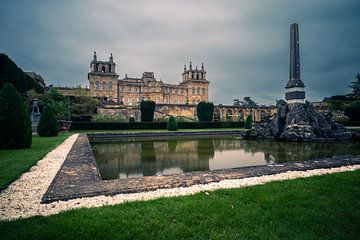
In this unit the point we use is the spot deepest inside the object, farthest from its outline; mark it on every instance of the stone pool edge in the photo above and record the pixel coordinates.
(79, 175)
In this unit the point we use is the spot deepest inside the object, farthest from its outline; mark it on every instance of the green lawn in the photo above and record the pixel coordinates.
(323, 207)
(15, 162)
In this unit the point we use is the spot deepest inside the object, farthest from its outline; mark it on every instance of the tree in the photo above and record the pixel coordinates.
(15, 124)
(353, 111)
(83, 105)
(356, 87)
(205, 111)
(48, 125)
(248, 121)
(11, 73)
(58, 103)
(172, 124)
(147, 109)
(247, 102)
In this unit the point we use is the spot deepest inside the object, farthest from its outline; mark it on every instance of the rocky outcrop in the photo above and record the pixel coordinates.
(298, 122)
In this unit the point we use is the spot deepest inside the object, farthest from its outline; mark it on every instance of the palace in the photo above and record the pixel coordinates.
(106, 85)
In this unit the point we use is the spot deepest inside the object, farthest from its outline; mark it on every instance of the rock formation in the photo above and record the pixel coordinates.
(298, 122)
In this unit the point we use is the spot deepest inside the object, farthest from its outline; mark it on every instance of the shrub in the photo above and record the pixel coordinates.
(15, 124)
(48, 125)
(205, 111)
(108, 118)
(248, 121)
(172, 124)
(58, 103)
(147, 109)
(132, 120)
(353, 111)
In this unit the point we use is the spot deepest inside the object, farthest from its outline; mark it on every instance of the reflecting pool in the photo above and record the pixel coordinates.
(127, 159)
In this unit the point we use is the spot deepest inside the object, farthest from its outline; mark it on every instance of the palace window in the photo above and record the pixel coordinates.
(104, 86)
(97, 85)
(203, 91)
(110, 98)
(198, 91)
(110, 86)
(193, 90)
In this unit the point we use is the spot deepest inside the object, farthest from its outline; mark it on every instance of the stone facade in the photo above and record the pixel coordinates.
(105, 84)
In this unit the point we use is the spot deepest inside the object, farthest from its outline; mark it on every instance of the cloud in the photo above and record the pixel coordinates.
(243, 44)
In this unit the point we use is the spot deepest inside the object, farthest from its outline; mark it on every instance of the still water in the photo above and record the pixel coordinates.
(128, 159)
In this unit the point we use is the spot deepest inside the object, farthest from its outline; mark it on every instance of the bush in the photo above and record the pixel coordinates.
(48, 125)
(108, 118)
(248, 121)
(205, 111)
(352, 111)
(151, 125)
(172, 124)
(132, 120)
(15, 124)
(147, 109)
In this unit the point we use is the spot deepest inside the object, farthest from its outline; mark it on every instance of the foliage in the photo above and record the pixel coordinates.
(247, 102)
(304, 208)
(132, 120)
(108, 118)
(205, 111)
(353, 111)
(48, 125)
(57, 102)
(355, 93)
(15, 124)
(83, 105)
(11, 73)
(336, 105)
(172, 124)
(15, 162)
(151, 125)
(147, 109)
(248, 122)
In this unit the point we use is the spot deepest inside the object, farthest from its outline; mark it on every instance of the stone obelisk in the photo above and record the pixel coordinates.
(294, 92)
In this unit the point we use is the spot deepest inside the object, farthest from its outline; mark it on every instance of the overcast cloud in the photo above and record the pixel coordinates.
(244, 44)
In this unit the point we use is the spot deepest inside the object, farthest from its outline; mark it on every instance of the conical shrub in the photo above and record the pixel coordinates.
(15, 124)
(48, 125)
(172, 124)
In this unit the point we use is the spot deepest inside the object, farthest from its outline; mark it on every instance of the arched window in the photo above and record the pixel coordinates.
(104, 86)
(198, 91)
(103, 69)
(110, 86)
(97, 85)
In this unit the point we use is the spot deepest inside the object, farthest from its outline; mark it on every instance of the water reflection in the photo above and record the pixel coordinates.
(147, 158)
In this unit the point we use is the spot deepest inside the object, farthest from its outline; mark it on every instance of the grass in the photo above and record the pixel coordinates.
(15, 162)
(322, 207)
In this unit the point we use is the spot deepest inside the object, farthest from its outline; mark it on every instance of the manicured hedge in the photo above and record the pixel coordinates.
(151, 125)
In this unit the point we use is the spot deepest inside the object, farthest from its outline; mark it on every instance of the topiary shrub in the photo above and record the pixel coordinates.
(15, 124)
(147, 109)
(132, 120)
(352, 111)
(248, 121)
(172, 124)
(48, 125)
(205, 111)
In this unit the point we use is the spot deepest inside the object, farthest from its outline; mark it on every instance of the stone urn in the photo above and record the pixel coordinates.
(64, 125)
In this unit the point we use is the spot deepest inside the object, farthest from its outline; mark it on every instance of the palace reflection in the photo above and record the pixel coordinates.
(146, 158)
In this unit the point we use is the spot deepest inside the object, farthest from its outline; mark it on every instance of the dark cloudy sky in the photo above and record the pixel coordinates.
(244, 44)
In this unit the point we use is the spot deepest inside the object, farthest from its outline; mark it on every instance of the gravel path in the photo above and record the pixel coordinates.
(22, 198)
